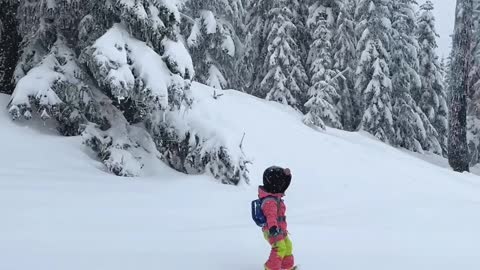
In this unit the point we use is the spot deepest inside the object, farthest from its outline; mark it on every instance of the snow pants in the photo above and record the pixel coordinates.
(281, 255)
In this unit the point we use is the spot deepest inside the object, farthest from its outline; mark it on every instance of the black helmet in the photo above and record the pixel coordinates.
(276, 179)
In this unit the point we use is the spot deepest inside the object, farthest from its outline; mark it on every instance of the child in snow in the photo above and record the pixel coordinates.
(275, 182)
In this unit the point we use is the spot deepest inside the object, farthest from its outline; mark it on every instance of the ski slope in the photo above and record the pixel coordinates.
(354, 203)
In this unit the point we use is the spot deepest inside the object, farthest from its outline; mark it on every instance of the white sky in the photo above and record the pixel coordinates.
(445, 18)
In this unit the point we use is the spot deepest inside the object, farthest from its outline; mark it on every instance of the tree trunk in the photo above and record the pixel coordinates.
(9, 43)
(461, 56)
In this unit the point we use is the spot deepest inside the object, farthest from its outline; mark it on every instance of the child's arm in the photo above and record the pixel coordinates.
(271, 212)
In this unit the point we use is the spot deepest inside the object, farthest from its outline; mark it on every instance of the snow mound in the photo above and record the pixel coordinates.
(354, 202)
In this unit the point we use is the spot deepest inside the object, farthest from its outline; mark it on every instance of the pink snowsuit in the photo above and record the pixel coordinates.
(281, 256)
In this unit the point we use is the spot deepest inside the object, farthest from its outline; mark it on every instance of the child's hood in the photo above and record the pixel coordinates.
(263, 194)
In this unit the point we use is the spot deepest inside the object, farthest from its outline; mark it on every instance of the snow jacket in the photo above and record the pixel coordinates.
(274, 210)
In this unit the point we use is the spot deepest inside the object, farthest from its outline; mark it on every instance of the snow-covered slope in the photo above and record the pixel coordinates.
(354, 203)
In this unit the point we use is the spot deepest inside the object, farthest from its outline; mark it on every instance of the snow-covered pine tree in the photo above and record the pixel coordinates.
(473, 100)
(323, 97)
(256, 21)
(373, 81)
(412, 127)
(51, 82)
(9, 44)
(432, 96)
(212, 39)
(474, 73)
(47, 68)
(116, 71)
(344, 61)
(273, 59)
(160, 103)
(461, 59)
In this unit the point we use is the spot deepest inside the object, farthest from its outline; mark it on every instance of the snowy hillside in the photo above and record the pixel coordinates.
(354, 203)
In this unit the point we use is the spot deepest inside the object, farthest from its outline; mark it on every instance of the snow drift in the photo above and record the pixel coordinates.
(354, 203)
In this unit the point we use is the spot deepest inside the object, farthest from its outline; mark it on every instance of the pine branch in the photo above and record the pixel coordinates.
(215, 95)
(241, 144)
(187, 18)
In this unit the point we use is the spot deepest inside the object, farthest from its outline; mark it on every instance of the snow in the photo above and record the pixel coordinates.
(172, 6)
(354, 202)
(229, 45)
(112, 52)
(37, 83)
(216, 79)
(176, 51)
(195, 34)
(209, 21)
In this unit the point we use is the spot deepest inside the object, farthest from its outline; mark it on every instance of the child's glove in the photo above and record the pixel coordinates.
(274, 231)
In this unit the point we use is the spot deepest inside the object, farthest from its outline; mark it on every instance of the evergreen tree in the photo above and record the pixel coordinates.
(432, 96)
(178, 148)
(461, 59)
(473, 105)
(373, 81)
(273, 59)
(412, 127)
(344, 61)
(213, 41)
(323, 96)
(474, 73)
(9, 44)
(116, 72)
(46, 68)
(247, 67)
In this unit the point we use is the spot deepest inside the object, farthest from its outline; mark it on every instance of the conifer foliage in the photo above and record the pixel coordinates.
(119, 73)
(373, 81)
(413, 129)
(274, 55)
(211, 33)
(432, 96)
(116, 72)
(344, 61)
(323, 96)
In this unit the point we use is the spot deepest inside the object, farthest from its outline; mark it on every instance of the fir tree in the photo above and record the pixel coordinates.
(344, 61)
(46, 69)
(474, 73)
(273, 60)
(473, 105)
(461, 57)
(247, 67)
(373, 81)
(413, 129)
(432, 96)
(213, 41)
(323, 96)
(116, 72)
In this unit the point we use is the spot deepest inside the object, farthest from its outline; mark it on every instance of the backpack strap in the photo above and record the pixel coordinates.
(278, 200)
(270, 198)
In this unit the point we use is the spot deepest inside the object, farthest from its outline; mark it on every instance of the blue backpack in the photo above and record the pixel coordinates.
(257, 213)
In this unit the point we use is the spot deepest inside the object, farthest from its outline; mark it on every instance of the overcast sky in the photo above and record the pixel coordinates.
(445, 18)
